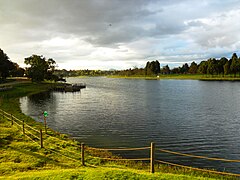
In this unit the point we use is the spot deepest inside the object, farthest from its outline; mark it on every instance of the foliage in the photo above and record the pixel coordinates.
(214, 67)
(193, 68)
(40, 68)
(152, 68)
(5, 65)
(234, 67)
(166, 70)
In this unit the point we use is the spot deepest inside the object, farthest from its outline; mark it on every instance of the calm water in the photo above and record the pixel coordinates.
(189, 116)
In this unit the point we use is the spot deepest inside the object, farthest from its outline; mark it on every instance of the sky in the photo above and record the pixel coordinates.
(119, 34)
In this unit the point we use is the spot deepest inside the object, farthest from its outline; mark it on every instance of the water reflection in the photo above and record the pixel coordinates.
(194, 117)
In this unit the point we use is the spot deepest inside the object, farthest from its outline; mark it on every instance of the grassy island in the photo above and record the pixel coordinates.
(21, 158)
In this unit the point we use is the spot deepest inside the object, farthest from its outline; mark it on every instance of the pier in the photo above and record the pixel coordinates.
(65, 87)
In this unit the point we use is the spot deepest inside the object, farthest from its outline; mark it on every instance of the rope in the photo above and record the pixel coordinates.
(200, 157)
(31, 139)
(8, 118)
(198, 169)
(68, 150)
(64, 148)
(31, 128)
(32, 134)
(119, 149)
(17, 119)
(63, 140)
(5, 112)
(62, 155)
(113, 159)
(17, 124)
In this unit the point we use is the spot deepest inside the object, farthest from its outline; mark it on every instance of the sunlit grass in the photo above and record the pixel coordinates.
(23, 159)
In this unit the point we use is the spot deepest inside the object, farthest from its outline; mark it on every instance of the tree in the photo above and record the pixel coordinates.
(234, 67)
(17, 71)
(184, 69)
(193, 68)
(212, 66)
(152, 68)
(176, 70)
(203, 66)
(226, 68)
(40, 68)
(221, 64)
(166, 70)
(5, 65)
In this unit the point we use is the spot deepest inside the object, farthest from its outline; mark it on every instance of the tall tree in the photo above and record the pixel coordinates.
(202, 69)
(221, 64)
(166, 70)
(152, 68)
(234, 67)
(212, 66)
(40, 68)
(226, 68)
(193, 68)
(184, 69)
(5, 65)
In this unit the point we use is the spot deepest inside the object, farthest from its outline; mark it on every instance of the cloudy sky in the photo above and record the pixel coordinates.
(119, 34)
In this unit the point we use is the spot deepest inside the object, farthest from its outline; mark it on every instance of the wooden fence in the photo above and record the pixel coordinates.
(36, 136)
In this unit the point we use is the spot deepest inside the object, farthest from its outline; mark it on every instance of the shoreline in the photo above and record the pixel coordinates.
(10, 103)
(179, 77)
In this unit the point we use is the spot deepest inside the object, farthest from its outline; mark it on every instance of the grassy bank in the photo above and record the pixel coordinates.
(20, 158)
(183, 77)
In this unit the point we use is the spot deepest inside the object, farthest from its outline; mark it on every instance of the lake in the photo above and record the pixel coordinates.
(188, 116)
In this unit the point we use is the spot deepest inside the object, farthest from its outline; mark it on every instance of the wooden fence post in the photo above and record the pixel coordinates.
(45, 124)
(41, 139)
(23, 126)
(152, 157)
(82, 149)
(12, 118)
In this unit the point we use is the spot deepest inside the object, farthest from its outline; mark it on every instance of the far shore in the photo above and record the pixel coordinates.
(182, 77)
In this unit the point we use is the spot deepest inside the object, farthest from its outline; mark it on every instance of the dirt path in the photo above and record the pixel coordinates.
(17, 81)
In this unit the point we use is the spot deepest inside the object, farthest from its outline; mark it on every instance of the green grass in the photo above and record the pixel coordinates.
(100, 173)
(20, 158)
(183, 77)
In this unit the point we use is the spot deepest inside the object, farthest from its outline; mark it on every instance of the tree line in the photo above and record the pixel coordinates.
(40, 68)
(8, 68)
(212, 66)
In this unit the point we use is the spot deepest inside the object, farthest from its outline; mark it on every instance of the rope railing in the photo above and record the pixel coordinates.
(152, 149)
(32, 128)
(54, 151)
(8, 118)
(198, 169)
(32, 134)
(121, 159)
(74, 145)
(16, 119)
(17, 124)
(69, 151)
(5, 112)
(199, 157)
(31, 139)
(118, 149)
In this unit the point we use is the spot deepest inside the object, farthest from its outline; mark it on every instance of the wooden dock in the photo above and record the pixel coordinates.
(65, 87)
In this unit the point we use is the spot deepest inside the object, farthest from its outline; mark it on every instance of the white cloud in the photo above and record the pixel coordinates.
(99, 34)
